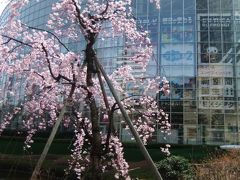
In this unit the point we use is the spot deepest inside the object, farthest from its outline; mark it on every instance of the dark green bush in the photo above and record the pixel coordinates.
(175, 168)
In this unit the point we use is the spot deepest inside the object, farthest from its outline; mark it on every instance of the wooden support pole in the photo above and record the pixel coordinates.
(37, 169)
(129, 122)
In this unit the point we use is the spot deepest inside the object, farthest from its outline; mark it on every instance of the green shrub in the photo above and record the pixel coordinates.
(175, 168)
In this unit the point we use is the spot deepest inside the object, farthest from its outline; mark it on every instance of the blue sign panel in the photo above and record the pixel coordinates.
(177, 44)
(177, 31)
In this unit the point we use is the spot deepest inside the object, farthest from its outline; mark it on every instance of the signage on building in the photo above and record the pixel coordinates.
(215, 21)
(177, 54)
(177, 20)
(215, 71)
(149, 23)
(212, 104)
(215, 61)
(177, 43)
(216, 39)
(177, 50)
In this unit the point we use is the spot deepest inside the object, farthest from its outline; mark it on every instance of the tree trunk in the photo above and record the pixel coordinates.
(96, 143)
(96, 151)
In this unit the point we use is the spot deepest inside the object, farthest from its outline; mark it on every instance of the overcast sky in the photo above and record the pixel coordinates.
(2, 6)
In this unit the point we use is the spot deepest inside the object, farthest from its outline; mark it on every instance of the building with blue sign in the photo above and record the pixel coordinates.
(197, 49)
(196, 46)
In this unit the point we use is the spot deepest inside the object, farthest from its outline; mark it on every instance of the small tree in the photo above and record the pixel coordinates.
(175, 168)
(57, 80)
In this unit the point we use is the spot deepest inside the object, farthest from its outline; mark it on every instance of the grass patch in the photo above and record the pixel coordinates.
(194, 153)
(14, 159)
(142, 173)
(14, 145)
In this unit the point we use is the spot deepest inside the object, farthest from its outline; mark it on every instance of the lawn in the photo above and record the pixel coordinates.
(14, 160)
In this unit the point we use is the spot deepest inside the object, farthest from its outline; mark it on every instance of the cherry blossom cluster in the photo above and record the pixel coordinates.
(144, 129)
(121, 76)
(117, 158)
(157, 2)
(56, 79)
(142, 107)
(79, 156)
(79, 161)
(166, 149)
(28, 141)
(91, 19)
(15, 6)
(114, 158)
(147, 116)
(7, 119)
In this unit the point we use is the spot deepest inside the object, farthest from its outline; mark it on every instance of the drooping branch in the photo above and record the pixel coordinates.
(102, 18)
(114, 108)
(82, 124)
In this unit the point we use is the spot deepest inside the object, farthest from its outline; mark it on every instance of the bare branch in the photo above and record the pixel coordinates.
(16, 40)
(50, 68)
(49, 32)
(39, 75)
(14, 48)
(105, 10)
(80, 20)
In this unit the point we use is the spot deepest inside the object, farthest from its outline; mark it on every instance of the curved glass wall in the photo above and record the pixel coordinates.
(36, 14)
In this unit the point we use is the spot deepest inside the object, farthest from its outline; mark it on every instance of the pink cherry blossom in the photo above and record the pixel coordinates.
(54, 77)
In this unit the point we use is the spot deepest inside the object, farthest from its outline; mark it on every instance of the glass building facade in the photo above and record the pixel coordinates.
(197, 49)
(196, 46)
